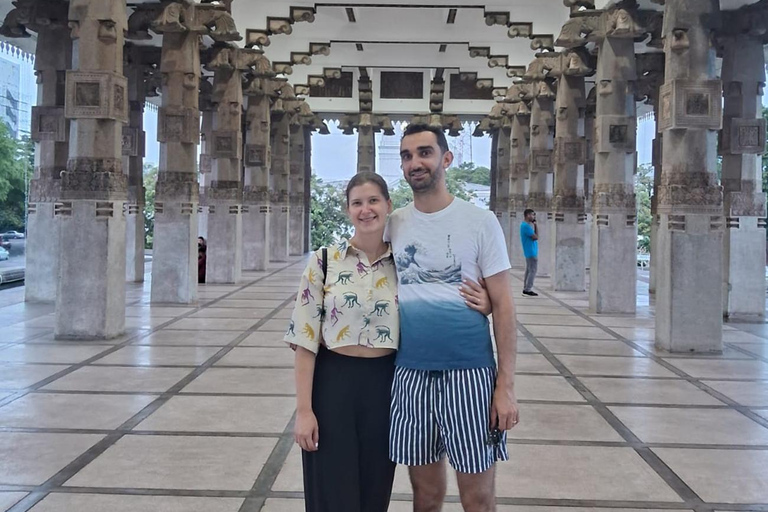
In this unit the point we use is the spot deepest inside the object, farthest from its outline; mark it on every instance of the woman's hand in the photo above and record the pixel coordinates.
(306, 432)
(475, 296)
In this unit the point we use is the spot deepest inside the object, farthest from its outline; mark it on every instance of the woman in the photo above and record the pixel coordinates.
(345, 329)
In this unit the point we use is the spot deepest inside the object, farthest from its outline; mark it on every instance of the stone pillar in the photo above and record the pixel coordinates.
(177, 194)
(519, 166)
(656, 162)
(690, 270)
(205, 164)
(540, 184)
(225, 193)
(90, 301)
(296, 196)
(279, 184)
(256, 207)
(613, 262)
(568, 267)
(307, 190)
(50, 131)
(503, 180)
(133, 162)
(494, 169)
(366, 149)
(589, 171)
(742, 141)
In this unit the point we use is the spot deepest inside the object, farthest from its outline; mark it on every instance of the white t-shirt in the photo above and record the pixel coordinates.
(433, 253)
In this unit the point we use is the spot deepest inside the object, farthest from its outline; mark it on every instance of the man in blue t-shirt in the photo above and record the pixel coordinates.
(529, 236)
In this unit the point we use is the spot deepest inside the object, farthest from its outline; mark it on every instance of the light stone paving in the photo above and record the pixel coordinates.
(192, 410)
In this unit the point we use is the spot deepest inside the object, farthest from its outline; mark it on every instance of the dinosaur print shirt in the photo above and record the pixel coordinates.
(357, 306)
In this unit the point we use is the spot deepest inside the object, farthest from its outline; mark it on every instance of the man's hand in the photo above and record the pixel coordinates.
(504, 410)
(306, 432)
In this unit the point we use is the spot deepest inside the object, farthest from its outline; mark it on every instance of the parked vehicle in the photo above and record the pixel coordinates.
(4, 254)
(12, 235)
(5, 243)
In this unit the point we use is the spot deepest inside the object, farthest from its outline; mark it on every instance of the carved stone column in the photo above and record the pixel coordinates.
(503, 179)
(568, 237)
(90, 302)
(589, 171)
(689, 283)
(205, 165)
(307, 190)
(613, 284)
(742, 141)
(519, 165)
(50, 131)
(296, 195)
(256, 207)
(540, 181)
(174, 255)
(225, 193)
(136, 71)
(279, 183)
(366, 149)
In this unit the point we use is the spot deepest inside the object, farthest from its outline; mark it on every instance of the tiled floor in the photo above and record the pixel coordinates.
(191, 411)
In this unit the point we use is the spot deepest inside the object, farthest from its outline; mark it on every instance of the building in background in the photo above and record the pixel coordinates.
(18, 89)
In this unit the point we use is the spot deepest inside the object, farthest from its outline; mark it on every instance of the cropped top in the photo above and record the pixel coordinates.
(357, 306)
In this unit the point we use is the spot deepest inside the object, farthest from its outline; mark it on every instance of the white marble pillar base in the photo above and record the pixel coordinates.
(744, 271)
(613, 270)
(256, 224)
(568, 264)
(224, 256)
(42, 255)
(278, 232)
(174, 256)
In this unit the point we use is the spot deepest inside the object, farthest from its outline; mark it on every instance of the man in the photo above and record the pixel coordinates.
(447, 397)
(529, 236)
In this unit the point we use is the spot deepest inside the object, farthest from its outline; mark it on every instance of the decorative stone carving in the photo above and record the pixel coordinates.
(255, 195)
(746, 204)
(206, 164)
(570, 151)
(613, 197)
(279, 26)
(543, 42)
(48, 123)
(299, 14)
(520, 30)
(256, 38)
(541, 160)
(177, 186)
(255, 155)
(479, 51)
(94, 178)
(743, 137)
(498, 61)
(538, 201)
(691, 104)
(133, 142)
(615, 133)
(301, 58)
(497, 18)
(226, 144)
(693, 192)
(96, 95)
(320, 49)
(516, 71)
(178, 124)
(567, 201)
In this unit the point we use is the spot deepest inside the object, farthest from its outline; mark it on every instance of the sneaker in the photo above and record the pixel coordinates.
(530, 293)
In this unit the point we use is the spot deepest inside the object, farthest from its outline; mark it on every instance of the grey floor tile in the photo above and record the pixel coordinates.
(610, 366)
(102, 378)
(77, 411)
(752, 394)
(722, 369)
(125, 503)
(553, 422)
(9, 499)
(177, 462)
(149, 355)
(60, 354)
(244, 380)
(31, 459)
(647, 391)
(19, 376)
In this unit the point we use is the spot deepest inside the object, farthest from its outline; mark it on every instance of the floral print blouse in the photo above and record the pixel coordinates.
(357, 306)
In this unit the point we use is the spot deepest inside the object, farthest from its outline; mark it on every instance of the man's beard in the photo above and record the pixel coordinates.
(425, 185)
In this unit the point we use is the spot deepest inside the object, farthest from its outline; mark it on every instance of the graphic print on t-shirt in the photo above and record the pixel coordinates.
(409, 270)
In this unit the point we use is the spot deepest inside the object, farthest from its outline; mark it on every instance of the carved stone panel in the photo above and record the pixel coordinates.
(226, 144)
(205, 164)
(255, 155)
(96, 95)
(94, 178)
(49, 123)
(615, 133)
(691, 104)
(541, 160)
(178, 124)
(613, 197)
(694, 192)
(133, 142)
(743, 136)
(177, 186)
(572, 151)
(746, 204)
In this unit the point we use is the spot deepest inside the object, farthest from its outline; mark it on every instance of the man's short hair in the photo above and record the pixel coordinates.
(413, 129)
(527, 211)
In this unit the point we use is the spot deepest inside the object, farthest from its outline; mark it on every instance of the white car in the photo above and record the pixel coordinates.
(8, 235)
(4, 254)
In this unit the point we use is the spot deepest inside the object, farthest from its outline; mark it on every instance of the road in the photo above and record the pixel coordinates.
(17, 259)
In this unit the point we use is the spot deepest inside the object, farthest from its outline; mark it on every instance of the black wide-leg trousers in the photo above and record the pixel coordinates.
(351, 470)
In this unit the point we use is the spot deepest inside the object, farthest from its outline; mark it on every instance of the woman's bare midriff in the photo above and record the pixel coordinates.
(360, 351)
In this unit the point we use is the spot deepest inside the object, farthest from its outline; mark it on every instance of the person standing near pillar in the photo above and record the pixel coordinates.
(529, 239)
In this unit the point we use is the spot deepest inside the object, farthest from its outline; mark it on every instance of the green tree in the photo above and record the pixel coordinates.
(468, 172)
(402, 194)
(328, 214)
(16, 167)
(643, 190)
(150, 182)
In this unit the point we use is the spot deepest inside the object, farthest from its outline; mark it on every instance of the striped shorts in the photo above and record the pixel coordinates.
(438, 413)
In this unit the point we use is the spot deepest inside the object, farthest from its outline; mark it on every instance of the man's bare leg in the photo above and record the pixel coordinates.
(429, 485)
(478, 490)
